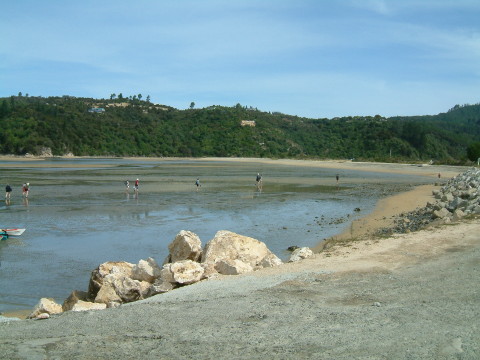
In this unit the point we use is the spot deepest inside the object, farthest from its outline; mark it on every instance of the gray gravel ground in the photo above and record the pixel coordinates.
(426, 310)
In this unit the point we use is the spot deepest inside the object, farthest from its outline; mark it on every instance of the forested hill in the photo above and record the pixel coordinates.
(134, 127)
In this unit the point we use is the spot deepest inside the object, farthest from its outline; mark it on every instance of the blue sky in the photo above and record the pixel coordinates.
(313, 58)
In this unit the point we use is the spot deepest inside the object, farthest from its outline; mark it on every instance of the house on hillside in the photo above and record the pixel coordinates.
(122, 104)
(96, 110)
(248, 123)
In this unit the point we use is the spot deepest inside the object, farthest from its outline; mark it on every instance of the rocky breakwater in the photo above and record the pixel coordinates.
(114, 283)
(459, 197)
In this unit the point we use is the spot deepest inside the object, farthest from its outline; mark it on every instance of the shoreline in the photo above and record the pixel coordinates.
(359, 228)
(409, 295)
(421, 169)
(382, 216)
(417, 293)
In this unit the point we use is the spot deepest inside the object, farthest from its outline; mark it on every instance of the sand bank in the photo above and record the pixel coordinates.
(385, 212)
(446, 171)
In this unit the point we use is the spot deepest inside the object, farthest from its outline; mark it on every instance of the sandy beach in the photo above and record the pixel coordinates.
(409, 296)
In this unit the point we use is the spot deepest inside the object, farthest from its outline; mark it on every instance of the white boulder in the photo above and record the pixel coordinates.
(119, 288)
(232, 267)
(300, 254)
(86, 306)
(182, 272)
(146, 270)
(47, 306)
(185, 246)
(160, 286)
(227, 245)
(75, 296)
(111, 267)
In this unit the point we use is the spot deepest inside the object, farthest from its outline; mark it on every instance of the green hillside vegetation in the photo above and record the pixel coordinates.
(134, 127)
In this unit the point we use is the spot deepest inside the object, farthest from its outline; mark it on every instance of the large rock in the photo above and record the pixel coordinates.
(457, 215)
(447, 197)
(87, 306)
(227, 245)
(300, 254)
(182, 272)
(442, 213)
(232, 267)
(112, 267)
(270, 260)
(146, 270)
(160, 286)
(107, 294)
(119, 288)
(74, 298)
(144, 289)
(209, 270)
(457, 203)
(45, 306)
(185, 246)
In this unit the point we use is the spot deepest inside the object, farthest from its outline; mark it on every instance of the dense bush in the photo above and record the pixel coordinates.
(473, 151)
(129, 126)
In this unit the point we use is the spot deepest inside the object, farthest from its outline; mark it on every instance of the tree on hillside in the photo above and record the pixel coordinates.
(192, 105)
(473, 151)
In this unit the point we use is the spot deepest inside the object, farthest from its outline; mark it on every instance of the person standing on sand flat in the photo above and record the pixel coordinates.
(258, 180)
(135, 188)
(197, 183)
(25, 189)
(8, 190)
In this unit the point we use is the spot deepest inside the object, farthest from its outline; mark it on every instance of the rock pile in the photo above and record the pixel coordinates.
(114, 283)
(459, 197)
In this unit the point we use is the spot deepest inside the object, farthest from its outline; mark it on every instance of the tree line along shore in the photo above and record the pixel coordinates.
(130, 126)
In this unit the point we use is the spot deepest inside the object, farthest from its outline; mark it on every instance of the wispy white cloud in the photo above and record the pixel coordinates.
(301, 57)
(378, 6)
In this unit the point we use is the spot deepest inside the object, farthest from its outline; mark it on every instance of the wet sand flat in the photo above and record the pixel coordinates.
(409, 296)
(79, 215)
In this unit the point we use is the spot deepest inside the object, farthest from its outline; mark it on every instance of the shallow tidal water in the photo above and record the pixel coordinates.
(78, 214)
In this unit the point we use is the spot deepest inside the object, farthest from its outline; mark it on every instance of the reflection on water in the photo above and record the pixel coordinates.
(79, 213)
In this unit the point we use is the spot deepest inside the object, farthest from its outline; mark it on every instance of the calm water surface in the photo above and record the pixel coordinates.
(78, 214)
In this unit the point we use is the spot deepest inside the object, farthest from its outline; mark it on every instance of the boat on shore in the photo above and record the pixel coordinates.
(5, 233)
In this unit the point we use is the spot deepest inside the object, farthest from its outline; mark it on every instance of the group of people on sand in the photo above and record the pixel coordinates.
(135, 186)
(197, 184)
(9, 189)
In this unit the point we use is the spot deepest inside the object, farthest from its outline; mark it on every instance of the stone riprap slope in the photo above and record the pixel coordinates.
(459, 197)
